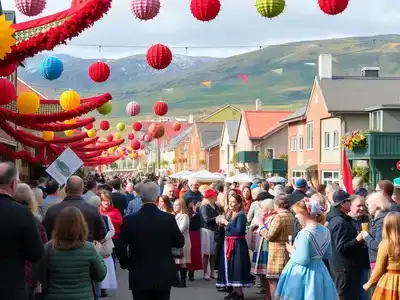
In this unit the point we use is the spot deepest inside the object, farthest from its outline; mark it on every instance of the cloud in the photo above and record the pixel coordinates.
(238, 24)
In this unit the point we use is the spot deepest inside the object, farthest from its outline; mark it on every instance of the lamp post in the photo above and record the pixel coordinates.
(1, 9)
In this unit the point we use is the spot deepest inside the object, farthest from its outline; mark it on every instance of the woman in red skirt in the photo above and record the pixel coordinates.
(194, 232)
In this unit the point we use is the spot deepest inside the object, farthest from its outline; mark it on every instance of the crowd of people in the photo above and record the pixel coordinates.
(300, 242)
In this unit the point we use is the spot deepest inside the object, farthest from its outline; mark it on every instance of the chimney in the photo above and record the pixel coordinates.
(325, 66)
(190, 119)
(370, 72)
(258, 104)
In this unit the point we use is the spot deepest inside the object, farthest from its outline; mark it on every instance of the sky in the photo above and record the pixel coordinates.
(238, 24)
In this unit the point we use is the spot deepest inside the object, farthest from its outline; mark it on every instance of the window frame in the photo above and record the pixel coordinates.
(301, 142)
(293, 143)
(334, 179)
(295, 177)
(327, 140)
(310, 137)
(337, 140)
(273, 152)
(376, 120)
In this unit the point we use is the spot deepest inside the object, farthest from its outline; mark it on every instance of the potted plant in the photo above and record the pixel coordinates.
(355, 140)
(202, 162)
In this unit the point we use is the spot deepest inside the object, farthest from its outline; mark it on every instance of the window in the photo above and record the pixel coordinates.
(329, 177)
(376, 120)
(270, 153)
(335, 139)
(296, 175)
(310, 135)
(301, 142)
(327, 140)
(293, 142)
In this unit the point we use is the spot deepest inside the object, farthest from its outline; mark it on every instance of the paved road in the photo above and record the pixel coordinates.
(197, 290)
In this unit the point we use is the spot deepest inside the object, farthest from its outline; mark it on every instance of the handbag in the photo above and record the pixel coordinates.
(108, 245)
(177, 252)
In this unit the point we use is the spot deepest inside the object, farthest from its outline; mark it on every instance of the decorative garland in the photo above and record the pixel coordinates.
(16, 136)
(103, 146)
(84, 18)
(57, 126)
(84, 143)
(23, 154)
(57, 140)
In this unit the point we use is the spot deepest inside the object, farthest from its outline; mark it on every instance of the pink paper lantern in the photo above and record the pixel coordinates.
(131, 136)
(30, 8)
(145, 9)
(147, 138)
(141, 146)
(133, 108)
(135, 145)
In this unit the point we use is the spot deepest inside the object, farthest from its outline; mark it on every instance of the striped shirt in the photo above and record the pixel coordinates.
(134, 205)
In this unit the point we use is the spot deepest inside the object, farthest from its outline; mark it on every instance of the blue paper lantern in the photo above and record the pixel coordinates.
(51, 67)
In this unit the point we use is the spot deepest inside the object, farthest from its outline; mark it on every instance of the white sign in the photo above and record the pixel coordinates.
(64, 166)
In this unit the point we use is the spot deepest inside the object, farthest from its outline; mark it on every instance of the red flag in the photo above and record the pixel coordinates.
(346, 174)
(244, 77)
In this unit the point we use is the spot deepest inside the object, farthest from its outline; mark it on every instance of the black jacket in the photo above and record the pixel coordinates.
(375, 235)
(345, 248)
(394, 207)
(120, 201)
(150, 235)
(295, 197)
(209, 216)
(20, 242)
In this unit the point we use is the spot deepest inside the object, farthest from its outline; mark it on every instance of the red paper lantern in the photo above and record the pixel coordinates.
(156, 130)
(104, 125)
(133, 108)
(137, 126)
(205, 10)
(176, 126)
(99, 71)
(333, 7)
(141, 146)
(160, 108)
(135, 145)
(145, 9)
(8, 70)
(7, 91)
(110, 137)
(131, 136)
(159, 56)
(147, 138)
(89, 126)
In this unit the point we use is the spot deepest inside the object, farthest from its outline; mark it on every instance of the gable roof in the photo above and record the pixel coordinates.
(231, 128)
(218, 110)
(260, 123)
(297, 115)
(179, 138)
(23, 87)
(209, 133)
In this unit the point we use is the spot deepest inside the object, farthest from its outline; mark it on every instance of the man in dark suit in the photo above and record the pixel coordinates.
(19, 236)
(150, 235)
(120, 200)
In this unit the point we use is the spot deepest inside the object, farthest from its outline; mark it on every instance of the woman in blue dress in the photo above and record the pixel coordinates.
(305, 277)
(235, 265)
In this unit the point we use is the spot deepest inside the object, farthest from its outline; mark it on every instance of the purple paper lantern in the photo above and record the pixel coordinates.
(133, 108)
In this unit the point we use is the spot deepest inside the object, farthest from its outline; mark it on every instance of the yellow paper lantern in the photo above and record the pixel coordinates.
(120, 126)
(71, 121)
(28, 103)
(117, 136)
(48, 135)
(70, 100)
(111, 151)
(69, 132)
(91, 133)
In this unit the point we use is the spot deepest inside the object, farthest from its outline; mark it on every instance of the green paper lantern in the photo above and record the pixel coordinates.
(120, 126)
(270, 8)
(105, 109)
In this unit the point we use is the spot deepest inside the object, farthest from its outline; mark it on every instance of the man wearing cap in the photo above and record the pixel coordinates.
(299, 193)
(346, 262)
(256, 183)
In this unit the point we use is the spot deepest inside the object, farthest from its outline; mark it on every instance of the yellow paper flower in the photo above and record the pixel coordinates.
(6, 36)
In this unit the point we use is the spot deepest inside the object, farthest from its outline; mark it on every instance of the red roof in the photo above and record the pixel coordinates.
(23, 87)
(261, 122)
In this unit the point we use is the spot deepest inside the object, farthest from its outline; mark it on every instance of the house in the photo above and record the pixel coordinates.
(338, 105)
(179, 147)
(227, 145)
(227, 112)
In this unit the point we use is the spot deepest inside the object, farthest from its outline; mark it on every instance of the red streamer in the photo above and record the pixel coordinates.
(57, 126)
(23, 154)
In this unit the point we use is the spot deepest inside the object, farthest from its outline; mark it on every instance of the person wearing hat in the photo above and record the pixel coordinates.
(299, 193)
(346, 263)
(256, 183)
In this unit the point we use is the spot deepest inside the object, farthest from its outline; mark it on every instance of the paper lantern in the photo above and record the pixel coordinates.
(72, 121)
(104, 125)
(270, 8)
(48, 135)
(92, 133)
(133, 108)
(69, 133)
(135, 145)
(30, 8)
(176, 126)
(120, 126)
(141, 146)
(160, 108)
(89, 126)
(135, 155)
(147, 138)
(131, 136)
(159, 56)
(28, 103)
(110, 137)
(99, 71)
(105, 109)
(7, 91)
(117, 136)
(333, 7)
(137, 126)
(156, 130)
(51, 67)
(111, 151)
(205, 10)
(70, 100)
(7, 70)
(145, 9)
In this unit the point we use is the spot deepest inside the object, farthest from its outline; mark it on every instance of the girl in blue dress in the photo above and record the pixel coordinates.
(305, 277)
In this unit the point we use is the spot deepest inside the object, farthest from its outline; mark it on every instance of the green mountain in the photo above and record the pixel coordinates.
(278, 75)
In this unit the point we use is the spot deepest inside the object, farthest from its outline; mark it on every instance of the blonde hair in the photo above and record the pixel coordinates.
(391, 234)
(203, 188)
(300, 207)
(268, 204)
(184, 209)
(38, 193)
(25, 194)
(255, 192)
(378, 200)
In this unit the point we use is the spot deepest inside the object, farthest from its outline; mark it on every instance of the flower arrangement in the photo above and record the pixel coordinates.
(202, 162)
(355, 139)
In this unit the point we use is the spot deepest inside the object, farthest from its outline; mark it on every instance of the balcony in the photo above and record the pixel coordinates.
(381, 145)
(275, 166)
(249, 157)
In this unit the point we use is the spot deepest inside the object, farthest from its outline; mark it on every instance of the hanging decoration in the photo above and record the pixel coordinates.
(333, 7)
(30, 8)
(244, 78)
(105, 109)
(131, 136)
(156, 130)
(8, 70)
(104, 125)
(137, 126)
(147, 138)
(135, 145)
(70, 100)
(110, 137)
(117, 136)
(270, 8)
(120, 127)
(48, 135)
(207, 84)
(91, 133)
(69, 133)
(141, 146)
(133, 108)
(89, 126)
(6, 37)
(51, 67)
(99, 72)
(7, 91)
(160, 108)
(159, 56)
(28, 103)
(176, 126)
(145, 9)
(205, 10)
